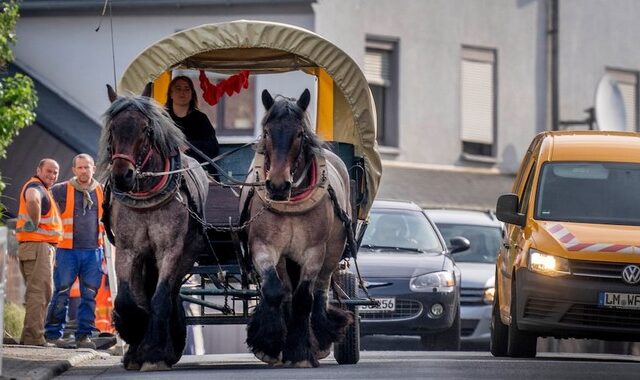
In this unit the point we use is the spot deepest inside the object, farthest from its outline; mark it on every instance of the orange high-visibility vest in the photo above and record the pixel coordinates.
(49, 229)
(67, 217)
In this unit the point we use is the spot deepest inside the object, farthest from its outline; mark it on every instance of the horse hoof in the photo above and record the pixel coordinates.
(269, 359)
(157, 366)
(131, 366)
(323, 354)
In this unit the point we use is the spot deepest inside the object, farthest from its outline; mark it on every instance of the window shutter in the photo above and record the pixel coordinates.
(477, 102)
(376, 67)
(629, 98)
(627, 82)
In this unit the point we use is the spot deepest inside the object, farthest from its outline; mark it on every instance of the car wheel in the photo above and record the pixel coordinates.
(520, 344)
(499, 331)
(448, 340)
(348, 351)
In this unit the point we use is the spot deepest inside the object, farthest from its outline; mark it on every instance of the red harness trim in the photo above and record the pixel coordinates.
(312, 183)
(160, 183)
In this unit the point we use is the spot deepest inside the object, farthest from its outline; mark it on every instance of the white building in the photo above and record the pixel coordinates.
(461, 85)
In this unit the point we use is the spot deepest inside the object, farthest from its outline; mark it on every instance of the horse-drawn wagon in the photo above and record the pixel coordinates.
(225, 282)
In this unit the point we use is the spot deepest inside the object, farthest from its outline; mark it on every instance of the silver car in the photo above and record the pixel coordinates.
(477, 266)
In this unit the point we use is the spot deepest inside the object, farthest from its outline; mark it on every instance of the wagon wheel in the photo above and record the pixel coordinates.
(348, 351)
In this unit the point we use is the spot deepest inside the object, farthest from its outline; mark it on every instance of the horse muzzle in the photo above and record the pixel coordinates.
(278, 191)
(123, 176)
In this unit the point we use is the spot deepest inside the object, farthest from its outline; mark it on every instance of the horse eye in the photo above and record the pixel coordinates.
(300, 135)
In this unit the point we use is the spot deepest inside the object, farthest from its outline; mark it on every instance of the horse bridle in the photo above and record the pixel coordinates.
(294, 167)
(143, 158)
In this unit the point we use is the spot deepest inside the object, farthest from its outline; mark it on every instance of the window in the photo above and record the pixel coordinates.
(589, 192)
(485, 241)
(524, 198)
(402, 231)
(233, 115)
(478, 101)
(627, 82)
(380, 69)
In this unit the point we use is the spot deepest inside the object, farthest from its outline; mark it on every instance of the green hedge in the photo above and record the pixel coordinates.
(13, 320)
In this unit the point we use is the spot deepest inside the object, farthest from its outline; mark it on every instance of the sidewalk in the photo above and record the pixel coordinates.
(37, 363)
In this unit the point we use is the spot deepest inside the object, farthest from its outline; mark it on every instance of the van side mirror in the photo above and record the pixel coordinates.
(507, 210)
(459, 244)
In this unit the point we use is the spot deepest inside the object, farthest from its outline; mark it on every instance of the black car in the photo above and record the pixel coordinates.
(406, 266)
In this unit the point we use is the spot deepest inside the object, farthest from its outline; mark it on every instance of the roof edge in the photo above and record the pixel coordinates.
(61, 119)
(29, 6)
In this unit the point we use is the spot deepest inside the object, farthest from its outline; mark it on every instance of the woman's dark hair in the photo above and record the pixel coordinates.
(193, 104)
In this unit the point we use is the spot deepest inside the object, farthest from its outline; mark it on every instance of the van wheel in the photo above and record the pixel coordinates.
(499, 331)
(448, 340)
(521, 344)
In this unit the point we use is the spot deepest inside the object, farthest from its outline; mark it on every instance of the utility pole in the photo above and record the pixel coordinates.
(552, 65)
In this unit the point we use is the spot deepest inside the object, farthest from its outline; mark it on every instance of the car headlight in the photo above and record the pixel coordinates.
(489, 290)
(548, 265)
(433, 282)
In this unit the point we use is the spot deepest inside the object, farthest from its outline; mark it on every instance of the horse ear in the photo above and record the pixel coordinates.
(303, 101)
(267, 99)
(112, 94)
(147, 90)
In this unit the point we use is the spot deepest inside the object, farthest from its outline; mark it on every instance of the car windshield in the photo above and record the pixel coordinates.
(485, 241)
(589, 192)
(401, 231)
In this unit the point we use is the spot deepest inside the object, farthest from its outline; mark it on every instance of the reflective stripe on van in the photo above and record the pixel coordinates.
(571, 243)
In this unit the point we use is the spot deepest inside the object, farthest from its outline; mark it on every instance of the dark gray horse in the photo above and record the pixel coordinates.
(296, 239)
(157, 239)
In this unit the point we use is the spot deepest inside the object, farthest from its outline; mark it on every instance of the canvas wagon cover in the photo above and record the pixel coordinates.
(272, 47)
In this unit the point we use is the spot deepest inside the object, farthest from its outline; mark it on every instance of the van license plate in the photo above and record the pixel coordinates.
(386, 304)
(619, 300)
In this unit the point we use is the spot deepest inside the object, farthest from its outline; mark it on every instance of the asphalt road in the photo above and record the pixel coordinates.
(381, 365)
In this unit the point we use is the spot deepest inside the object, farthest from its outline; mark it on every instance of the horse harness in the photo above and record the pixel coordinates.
(171, 187)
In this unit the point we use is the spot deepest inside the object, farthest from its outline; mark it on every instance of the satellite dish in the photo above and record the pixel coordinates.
(610, 113)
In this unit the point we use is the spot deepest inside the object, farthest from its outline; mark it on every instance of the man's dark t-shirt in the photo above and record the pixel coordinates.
(85, 221)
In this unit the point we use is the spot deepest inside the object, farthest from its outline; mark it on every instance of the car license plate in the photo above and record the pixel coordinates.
(386, 304)
(619, 300)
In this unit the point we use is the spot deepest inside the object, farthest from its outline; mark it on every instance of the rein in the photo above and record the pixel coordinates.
(212, 162)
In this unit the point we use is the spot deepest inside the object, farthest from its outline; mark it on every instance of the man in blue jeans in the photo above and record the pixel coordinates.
(79, 254)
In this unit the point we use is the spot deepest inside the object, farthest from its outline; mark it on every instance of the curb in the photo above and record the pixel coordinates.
(58, 367)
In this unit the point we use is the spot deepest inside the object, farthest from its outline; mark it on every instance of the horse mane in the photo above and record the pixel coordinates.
(167, 137)
(285, 108)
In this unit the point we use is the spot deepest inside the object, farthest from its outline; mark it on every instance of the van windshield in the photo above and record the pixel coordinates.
(589, 192)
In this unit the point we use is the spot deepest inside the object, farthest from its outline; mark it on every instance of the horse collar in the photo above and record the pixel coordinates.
(302, 202)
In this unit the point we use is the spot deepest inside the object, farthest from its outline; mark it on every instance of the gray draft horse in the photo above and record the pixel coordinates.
(296, 240)
(156, 238)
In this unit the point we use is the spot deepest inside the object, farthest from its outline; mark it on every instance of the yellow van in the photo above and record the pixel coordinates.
(569, 266)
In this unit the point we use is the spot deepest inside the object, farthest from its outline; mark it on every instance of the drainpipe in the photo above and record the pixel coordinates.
(552, 63)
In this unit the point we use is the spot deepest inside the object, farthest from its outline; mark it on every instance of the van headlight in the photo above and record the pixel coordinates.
(548, 265)
(433, 282)
(489, 290)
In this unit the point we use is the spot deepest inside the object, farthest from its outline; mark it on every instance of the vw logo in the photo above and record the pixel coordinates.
(631, 274)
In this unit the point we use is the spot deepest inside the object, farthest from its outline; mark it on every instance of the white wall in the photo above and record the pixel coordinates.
(431, 34)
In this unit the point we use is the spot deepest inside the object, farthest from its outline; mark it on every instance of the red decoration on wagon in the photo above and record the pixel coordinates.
(213, 92)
